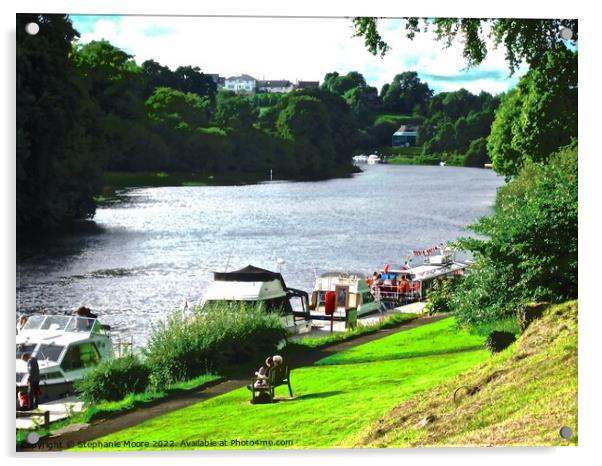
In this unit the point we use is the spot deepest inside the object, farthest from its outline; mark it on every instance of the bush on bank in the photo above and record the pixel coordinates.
(194, 343)
(530, 253)
(114, 379)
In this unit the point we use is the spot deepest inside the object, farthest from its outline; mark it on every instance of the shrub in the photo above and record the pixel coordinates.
(498, 341)
(205, 340)
(440, 295)
(529, 253)
(113, 379)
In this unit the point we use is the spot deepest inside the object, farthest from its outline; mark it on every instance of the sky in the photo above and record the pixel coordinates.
(294, 49)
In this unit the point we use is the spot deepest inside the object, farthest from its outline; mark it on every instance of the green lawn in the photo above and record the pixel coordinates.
(429, 340)
(332, 402)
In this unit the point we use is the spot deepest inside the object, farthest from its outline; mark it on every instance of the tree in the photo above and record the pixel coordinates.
(235, 111)
(523, 39)
(477, 156)
(179, 110)
(530, 250)
(407, 92)
(538, 117)
(304, 122)
(58, 169)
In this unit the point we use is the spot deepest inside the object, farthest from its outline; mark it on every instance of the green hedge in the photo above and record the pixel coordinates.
(186, 346)
(113, 379)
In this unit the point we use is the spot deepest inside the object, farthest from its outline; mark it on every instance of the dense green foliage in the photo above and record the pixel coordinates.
(406, 94)
(523, 39)
(455, 121)
(440, 295)
(530, 253)
(58, 168)
(113, 379)
(186, 346)
(539, 116)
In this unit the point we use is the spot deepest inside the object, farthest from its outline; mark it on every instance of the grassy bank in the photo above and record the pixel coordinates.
(133, 400)
(523, 396)
(120, 180)
(317, 342)
(332, 402)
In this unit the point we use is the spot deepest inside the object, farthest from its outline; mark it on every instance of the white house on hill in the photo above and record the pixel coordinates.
(275, 86)
(242, 83)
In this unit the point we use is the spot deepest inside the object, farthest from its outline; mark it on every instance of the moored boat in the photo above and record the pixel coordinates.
(351, 293)
(411, 284)
(262, 287)
(66, 348)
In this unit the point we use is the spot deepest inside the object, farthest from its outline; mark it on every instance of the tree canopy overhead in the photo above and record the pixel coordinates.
(523, 39)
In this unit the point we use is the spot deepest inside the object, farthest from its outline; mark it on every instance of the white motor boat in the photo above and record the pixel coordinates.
(256, 285)
(360, 158)
(373, 159)
(352, 292)
(66, 348)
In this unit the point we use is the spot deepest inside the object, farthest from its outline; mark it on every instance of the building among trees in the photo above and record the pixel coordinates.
(242, 83)
(405, 136)
(282, 85)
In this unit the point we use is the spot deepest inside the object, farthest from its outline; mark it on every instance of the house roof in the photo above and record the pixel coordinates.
(242, 77)
(307, 84)
(249, 273)
(407, 129)
(274, 83)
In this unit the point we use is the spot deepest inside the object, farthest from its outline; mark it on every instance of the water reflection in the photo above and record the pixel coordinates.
(158, 246)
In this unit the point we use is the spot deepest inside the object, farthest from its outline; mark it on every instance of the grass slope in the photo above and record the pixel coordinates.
(523, 396)
(429, 340)
(331, 404)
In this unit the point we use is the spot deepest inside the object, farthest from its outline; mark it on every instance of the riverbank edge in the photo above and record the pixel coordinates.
(233, 380)
(154, 179)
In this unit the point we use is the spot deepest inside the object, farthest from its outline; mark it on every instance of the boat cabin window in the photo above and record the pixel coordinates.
(25, 348)
(80, 356)
(49, 352)
(342, 296)
(367, 297)
(55, 323)
(81, 324)
(34, 322)
(51, 375)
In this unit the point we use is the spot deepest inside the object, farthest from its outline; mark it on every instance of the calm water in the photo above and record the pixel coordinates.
(159, 246)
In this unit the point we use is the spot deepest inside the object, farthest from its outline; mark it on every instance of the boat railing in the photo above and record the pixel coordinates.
(394, 295)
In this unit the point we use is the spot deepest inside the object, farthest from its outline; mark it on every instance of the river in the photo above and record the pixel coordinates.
(157, 247)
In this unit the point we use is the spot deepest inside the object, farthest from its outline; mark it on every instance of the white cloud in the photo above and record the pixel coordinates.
(290, 48)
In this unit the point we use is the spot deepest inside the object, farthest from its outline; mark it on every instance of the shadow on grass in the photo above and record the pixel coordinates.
(310, 396)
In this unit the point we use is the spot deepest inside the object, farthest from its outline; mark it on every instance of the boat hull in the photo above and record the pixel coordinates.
(51, 391)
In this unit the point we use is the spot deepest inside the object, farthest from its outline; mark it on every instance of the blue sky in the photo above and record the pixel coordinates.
(293, 49)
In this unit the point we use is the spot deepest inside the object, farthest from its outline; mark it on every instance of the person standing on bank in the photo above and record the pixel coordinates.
(33, 379)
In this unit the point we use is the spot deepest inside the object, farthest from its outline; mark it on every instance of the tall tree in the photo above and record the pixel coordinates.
(58, 171)
(407, 93)
(538, 117)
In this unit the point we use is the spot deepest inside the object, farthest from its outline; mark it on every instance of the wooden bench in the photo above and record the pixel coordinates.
(44, 414)
(279, 375)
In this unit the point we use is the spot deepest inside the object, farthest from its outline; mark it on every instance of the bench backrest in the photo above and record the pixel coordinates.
(279, 375)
